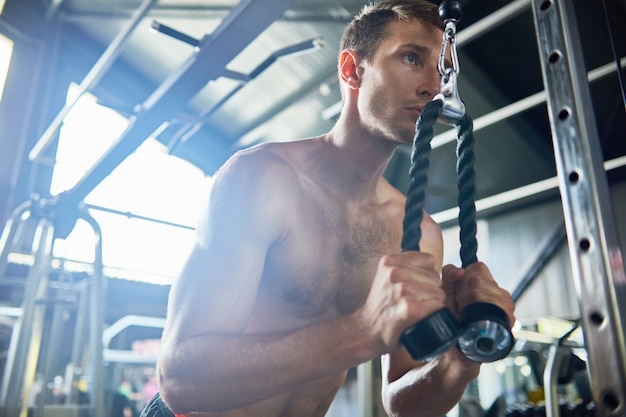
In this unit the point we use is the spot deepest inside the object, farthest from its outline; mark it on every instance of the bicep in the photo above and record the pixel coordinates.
(215, 291)
(217, 287)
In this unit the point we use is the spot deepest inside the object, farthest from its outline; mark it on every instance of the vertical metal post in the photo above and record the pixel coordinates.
(8, 236)
(16, 380)
(96, 323)
(596, 258)
(78, 358)
(364, 389)
(23, 358)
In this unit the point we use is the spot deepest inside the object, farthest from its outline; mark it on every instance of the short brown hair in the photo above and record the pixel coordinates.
(369, 27)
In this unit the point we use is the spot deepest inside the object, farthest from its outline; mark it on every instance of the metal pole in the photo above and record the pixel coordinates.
(96, 323)
(513, 109)
(556, 357)
(517, 194)
(542, 256)
(495, 19)
(91, 79)
(79, 341)
(8, 236)
(14, 380)
(597, 261)
(364, 389)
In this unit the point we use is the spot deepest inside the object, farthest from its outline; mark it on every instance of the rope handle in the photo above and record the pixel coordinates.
(418, 180)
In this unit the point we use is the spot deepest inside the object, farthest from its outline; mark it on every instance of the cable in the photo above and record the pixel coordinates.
(620, 75)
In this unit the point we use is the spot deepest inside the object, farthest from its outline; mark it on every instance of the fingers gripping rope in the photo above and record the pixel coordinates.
(483, 334)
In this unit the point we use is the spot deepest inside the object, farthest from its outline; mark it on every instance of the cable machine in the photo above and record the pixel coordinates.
(595, 254)
(25, 357)
(597, 261)
(596, 257)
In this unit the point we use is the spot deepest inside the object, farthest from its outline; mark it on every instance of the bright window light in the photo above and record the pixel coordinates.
(149, 183)
(6, 50)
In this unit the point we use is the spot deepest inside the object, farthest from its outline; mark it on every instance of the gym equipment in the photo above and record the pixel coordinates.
(26, 353)
(483, 335)
(595, 253)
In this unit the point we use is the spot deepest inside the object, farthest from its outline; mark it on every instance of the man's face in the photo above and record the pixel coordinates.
(400, 79)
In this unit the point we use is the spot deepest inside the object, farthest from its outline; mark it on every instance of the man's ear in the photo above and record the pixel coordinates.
(348, 68)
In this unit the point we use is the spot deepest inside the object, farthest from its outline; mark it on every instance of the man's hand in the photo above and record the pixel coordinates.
(406, 288)
(472, 285)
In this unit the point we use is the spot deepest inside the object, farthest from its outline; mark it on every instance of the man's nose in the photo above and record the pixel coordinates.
(431, 83)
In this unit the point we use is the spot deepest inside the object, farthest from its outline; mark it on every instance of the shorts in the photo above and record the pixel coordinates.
(157, 408)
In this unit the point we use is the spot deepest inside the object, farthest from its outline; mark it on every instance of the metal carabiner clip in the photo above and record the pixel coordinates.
(453, 108)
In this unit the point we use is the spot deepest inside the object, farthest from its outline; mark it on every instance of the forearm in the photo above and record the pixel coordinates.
(429, 390)
(210, 372)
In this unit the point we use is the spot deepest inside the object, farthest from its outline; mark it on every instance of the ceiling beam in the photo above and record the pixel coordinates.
(245, 22)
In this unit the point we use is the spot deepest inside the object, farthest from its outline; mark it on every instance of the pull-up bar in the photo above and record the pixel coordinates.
(91, 79)
(245, 22)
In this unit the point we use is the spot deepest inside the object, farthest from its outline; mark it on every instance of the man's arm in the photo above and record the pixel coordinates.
(207, 362)
(411, 388)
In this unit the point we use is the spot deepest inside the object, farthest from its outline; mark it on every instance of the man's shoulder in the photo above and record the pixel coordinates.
(253, 174)
(269, 153)
(268, 161)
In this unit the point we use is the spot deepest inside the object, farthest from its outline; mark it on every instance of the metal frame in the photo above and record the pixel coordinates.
(597, 261)
(127, 356)
(516, 195)
(91, 79)
(58, 216)
(245, 22)
(23, 357)
(518, 107)
(596, 257)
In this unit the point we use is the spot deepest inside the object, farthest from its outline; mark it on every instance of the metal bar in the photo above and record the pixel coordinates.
(128, 321)
(595, 254)
(96, 322)
(556, 357)
(544, 253)
(14, 379)
(128, 357)
(245, 22)
(169, 31)
(364, 377)
(254, 131)
(517, 194)
(131, 215)
(81, 330)
(190, 129)
(518, 107)
(495, 19)
(91, 79)
(8, 236)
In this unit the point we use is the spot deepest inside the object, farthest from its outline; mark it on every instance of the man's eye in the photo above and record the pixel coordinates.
(410, 59)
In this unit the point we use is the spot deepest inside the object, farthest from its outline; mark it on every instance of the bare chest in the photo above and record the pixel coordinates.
(326, 265)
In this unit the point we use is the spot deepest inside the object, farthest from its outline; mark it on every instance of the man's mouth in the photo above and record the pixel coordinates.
(416, 109)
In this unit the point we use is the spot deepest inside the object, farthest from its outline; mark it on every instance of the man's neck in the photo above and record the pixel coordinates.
(354, 159)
